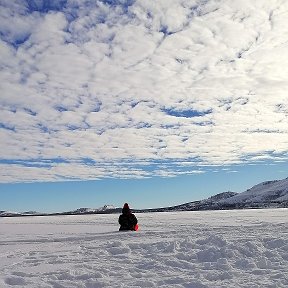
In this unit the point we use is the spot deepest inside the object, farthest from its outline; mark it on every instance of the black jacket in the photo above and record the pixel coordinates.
(127, 221)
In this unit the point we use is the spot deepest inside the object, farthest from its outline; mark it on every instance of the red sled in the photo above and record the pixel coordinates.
(136, 227)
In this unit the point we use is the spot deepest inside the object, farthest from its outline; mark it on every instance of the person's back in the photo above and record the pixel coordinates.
(127, 220)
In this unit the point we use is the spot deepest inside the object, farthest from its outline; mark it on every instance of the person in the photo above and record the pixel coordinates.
(127, 219)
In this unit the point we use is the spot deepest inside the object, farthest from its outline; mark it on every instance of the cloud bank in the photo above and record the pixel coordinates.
(121, 89)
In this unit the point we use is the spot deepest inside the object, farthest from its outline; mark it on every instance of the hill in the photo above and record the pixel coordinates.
(269, 194)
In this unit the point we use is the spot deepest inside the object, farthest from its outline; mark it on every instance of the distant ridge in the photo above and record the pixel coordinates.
(268, 194)
(81, 211)
(93, 210)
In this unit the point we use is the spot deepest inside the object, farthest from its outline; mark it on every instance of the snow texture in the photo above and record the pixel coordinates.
(239, 248)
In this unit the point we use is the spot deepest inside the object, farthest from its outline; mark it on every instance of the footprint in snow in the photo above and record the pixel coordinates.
(15, 281)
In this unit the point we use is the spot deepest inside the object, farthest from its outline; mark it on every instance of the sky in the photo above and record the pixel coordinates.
(154, 103)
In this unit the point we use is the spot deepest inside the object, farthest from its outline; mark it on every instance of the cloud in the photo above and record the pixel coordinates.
(140, 88)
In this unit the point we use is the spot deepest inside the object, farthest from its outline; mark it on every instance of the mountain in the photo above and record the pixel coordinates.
(269, 194)
(210, 203)
(81, 211)
(266, 194)
(104, 209)
(9, 213)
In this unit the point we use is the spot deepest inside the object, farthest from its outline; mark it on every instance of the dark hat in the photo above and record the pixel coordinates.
(126, 209)
(126, 206)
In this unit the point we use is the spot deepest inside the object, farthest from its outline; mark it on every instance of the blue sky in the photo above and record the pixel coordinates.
(140, 100)
(149, 193)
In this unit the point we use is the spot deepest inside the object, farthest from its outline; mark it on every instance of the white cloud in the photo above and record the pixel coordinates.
(136, 85)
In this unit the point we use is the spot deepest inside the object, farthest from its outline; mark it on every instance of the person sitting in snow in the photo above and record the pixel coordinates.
(127, 219)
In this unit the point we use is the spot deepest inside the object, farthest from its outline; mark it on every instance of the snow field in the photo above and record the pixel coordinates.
(247, 248)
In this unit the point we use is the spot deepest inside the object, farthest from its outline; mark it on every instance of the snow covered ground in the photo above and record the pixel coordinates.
(245, 248)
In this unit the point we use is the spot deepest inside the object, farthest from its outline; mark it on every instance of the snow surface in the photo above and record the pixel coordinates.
(237, 248)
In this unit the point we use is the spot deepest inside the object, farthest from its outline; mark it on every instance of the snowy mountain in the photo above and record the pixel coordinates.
(9, 213)
(105, 208)
(210, 203)
(269, 194)
(219, 197)
(264, 195)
